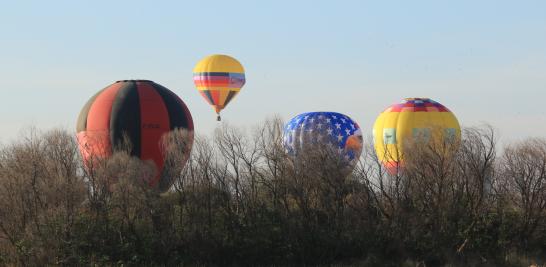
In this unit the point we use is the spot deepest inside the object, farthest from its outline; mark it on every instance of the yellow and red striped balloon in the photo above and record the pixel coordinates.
(219, 78)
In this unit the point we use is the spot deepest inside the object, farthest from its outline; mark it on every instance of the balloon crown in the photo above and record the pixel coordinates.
(135, 80)
(426, 99)
(417, 104)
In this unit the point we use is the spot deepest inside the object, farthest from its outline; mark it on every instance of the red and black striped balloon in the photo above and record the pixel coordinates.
(138, 110)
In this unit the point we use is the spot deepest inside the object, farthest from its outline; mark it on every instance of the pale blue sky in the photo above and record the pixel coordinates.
(485, 60)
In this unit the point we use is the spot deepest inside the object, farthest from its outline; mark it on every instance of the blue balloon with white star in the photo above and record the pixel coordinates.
(330, 130)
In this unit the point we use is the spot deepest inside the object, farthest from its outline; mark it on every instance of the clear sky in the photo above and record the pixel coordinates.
(485, 60)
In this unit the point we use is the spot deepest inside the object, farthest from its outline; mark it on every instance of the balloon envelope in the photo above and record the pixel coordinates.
(219, 78)
(138, 111)
(327, 131)
(409, 120)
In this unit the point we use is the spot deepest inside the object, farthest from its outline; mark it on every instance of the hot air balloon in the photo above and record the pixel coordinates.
(414, 119)
(138, 111)
(219, 78)
(327, 131)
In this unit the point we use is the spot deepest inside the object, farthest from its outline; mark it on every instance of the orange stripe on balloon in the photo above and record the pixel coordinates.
(215, 96)
(95, 141)
(223, 96)
(99, 113)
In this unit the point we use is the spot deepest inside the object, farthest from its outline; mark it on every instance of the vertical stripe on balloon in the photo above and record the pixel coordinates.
(96, 138)
(215, 96)
(155, 123)
(230, 96)
(206, 94)
(99, 112)
(82, 118)
(126, 105)
(175, 108)
(223, 96)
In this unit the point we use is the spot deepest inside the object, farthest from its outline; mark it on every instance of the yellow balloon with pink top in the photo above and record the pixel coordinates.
(411, 119)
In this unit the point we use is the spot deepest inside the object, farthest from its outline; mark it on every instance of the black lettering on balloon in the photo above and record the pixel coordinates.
(151, 126)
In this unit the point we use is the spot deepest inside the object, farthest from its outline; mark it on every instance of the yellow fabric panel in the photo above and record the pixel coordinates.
(384, 121)
(219, 63)
(234, 95)
(452, 122)
(404, 123)
(222, 98)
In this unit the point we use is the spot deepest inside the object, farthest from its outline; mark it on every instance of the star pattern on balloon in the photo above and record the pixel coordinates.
(326, 128)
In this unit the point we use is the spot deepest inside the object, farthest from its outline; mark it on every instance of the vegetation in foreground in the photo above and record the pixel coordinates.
(240, 201)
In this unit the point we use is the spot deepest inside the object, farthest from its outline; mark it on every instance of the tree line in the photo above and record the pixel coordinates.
(241, 201)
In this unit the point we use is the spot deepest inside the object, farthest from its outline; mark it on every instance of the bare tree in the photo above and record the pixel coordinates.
(40, 192)
(523, 172)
